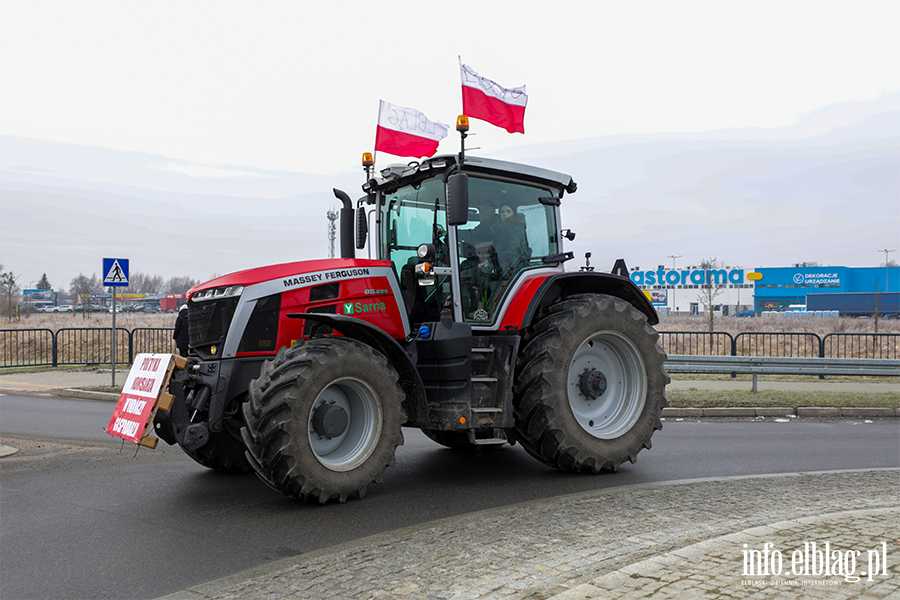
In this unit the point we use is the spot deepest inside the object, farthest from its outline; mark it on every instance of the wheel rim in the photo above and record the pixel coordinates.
(607, 385)
(352, 446)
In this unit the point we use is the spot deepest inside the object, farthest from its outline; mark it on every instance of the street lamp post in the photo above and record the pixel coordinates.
(886, 251)
(673, 257)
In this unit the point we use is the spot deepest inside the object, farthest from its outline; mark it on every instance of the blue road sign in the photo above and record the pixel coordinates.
(115, 272)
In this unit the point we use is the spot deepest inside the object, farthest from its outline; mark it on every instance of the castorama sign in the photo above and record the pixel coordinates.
(695, 277)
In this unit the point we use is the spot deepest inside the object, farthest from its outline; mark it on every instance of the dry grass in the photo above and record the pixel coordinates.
(732, 325)
(54, 321)
(94, 346)
(694, 398)
(821, 327)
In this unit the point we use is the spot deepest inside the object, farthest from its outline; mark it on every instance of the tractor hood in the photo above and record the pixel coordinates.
(285, 271)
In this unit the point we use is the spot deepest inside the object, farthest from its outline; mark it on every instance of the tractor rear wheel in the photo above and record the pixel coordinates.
(592, 385)
(323, 420)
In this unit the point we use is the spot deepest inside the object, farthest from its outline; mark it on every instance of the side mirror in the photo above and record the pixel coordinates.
(362, 227)
(458, 199)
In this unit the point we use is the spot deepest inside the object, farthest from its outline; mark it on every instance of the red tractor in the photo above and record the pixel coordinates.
(465, 324)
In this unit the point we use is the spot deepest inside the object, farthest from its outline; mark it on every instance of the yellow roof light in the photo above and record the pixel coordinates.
(367, 160)
(462, 123)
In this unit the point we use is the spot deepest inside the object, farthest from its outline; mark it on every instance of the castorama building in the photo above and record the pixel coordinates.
(744, 290)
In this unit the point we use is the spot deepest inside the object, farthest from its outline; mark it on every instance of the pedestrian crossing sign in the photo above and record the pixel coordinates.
(115, 272)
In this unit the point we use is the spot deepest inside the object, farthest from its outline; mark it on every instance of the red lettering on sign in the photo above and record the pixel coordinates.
(150, 364)
(143, 384)
(130, 417)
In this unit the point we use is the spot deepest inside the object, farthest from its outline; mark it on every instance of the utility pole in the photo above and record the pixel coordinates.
(673, 257)
(886, 252)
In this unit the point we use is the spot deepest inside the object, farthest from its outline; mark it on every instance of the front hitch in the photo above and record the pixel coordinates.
(192, 389)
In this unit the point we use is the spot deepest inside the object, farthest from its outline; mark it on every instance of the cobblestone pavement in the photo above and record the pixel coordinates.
(677, 539)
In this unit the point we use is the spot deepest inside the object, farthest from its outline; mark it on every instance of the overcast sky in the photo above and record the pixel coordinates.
(745, 125)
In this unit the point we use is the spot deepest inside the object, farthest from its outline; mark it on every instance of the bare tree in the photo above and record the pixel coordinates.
(10, 290)
(142, 283)
(714, 284)
(82, 287)
(85, 285)
(180, 285)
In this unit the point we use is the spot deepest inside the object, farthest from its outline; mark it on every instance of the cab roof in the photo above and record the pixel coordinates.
(396, 175)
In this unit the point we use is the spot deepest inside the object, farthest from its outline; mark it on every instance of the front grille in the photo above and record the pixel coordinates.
(208, 321)
(312, 328)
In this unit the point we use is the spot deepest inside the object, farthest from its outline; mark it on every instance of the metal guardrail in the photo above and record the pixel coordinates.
(80, 345)
(870, 345)
(777, 343)
(780, 365)
(90, 345)
(719, 343)
(43, 347)
(151, 340)
(27, 347)
(781, 343)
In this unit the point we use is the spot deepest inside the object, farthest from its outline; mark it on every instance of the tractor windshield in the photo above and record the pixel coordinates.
(511, 232)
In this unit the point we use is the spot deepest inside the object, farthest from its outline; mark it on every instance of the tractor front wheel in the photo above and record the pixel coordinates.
(323, 420)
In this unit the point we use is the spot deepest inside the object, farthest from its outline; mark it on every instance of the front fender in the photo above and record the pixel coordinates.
(370, 335)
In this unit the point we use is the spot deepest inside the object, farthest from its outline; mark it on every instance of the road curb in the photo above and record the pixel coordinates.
(85, 394)
(797, 411)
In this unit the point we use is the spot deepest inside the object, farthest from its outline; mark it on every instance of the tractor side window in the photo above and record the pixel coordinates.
(509, 231)
(415, 215)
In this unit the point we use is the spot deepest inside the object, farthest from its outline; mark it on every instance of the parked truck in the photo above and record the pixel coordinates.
(856, 304)
(171, 302)
(306, 372)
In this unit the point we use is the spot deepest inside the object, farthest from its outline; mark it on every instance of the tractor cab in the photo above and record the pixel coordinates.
(463, 236)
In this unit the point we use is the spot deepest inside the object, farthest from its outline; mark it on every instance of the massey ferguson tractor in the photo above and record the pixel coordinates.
(463, 322)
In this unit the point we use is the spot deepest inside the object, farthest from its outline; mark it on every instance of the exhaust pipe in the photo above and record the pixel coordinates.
(348, 249)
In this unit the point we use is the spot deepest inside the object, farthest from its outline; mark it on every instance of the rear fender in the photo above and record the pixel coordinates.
(561, 286)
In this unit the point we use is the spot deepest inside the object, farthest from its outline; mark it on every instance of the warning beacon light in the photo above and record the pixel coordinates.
(367, 160)
(462, 123)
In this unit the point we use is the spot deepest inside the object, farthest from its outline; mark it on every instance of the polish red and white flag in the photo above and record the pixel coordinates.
(407, 132)
(489, 101)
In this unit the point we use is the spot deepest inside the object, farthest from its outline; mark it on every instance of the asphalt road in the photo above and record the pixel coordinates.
(87, 518)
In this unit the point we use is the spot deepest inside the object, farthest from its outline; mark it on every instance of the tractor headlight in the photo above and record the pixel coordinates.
(218, 293)
(426, 251)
